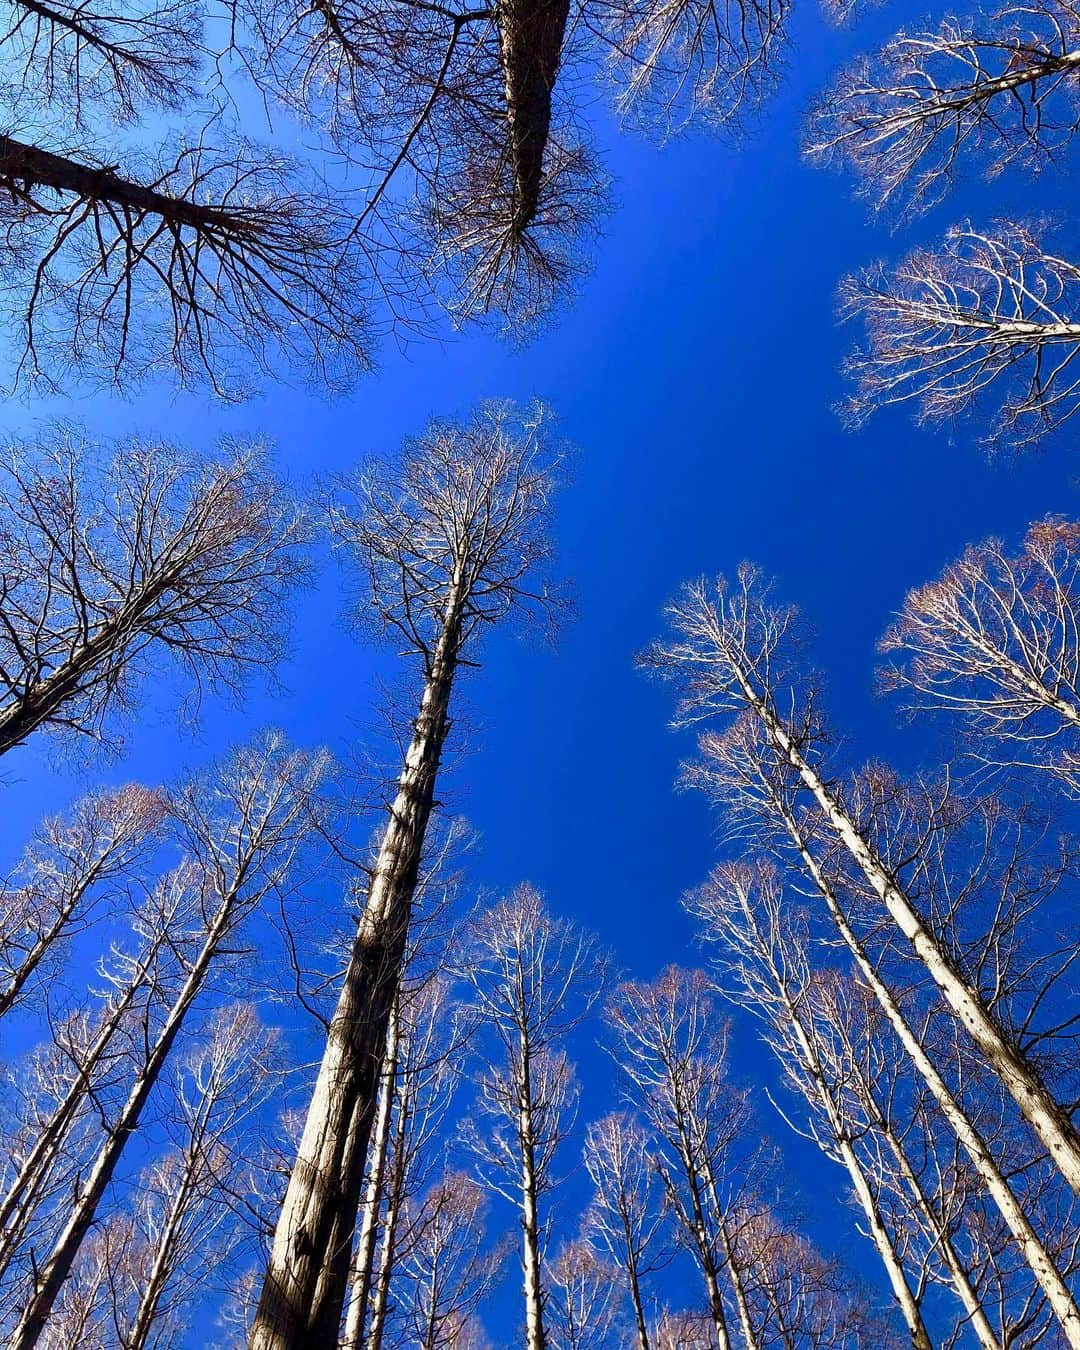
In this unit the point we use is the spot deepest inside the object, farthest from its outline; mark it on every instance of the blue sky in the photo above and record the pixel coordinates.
(695, 373)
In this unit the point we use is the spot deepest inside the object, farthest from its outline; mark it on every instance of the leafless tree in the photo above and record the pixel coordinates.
(204, 259)
(995, 641)
(449, 540)
(534, 978)
(241, 827)
(419, 1082)
(682, 1331)
(449, 1267)
(584, 1297)
(62, 1090)
(999, 87)
(733, 653)
(672, 1046)
(624, 1216)
(111, 565)
(66, 876)
(765, 952)
(990, 310)
(678, 62)
(190, 1202)
(80, 58)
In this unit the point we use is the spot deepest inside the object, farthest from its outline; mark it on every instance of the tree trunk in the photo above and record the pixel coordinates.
(139, 1335)
(50, 1277)
(960, 1278)
(640, 1325)
(304, 1288)
(364, 1258)
(734, 1275)
(535, 1334)
(879, 1233)
(1046, 1116)
(1038, 1258)
(19, 1201)
(380, 1304)
(24, 167)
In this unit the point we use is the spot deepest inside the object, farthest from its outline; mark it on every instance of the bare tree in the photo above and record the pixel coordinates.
(82, 58)
(449, 1267)
(994, 641)
(534, 978)
(190, 1202)
(677, 62)
(673, 1049)
(242, 827)
(65, 1086)
(624, 1216)
(765, 951)
(1000, 88)
(449, 541)
(202, 259)
(733, 653)
(729, 655)
(584, 1297)
(990, 311)
(110, 566)
(428, 1049)
(65, 877)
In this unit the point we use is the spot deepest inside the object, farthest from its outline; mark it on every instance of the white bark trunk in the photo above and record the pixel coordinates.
(535, 1334)
(51, 1276)
(304, 1288)
(1038, 1258)
(1046, 1117)
(364, 1259)
(879, 1234)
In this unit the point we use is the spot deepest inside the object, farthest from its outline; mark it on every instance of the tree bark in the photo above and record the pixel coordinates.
(535, 1333)
(1038, 1258)
(50, 1277)
(1046, 1116)
(380, 1304)
(364, 1259)
(24, 167)
(879, 1234)
(304, 1288)
(19, 1200)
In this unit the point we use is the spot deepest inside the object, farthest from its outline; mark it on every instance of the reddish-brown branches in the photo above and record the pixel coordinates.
(991, 313)
(109, 567)
(1002, 88)
(206, 261)
(996, 641)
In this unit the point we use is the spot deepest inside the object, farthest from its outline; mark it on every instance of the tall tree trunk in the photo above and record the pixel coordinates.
(304, 1288)
(879, 1233)
(364, 1258)
(1038, 1258)
(21, 1197)
(24, 167)
(700, 1232)
(164, 1253)
(735, 1276)
(1046, 1116)
(51, 1276)
(380, 1303)
(535, 1334)
(640, 1325)
(944, 1243)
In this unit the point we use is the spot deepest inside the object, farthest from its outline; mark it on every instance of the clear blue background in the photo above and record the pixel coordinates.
(695, 372)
